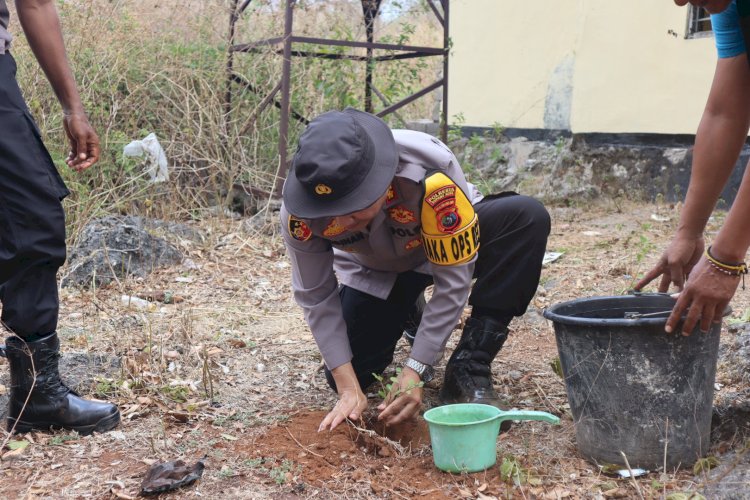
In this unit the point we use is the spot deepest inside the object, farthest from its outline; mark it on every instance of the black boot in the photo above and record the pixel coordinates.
(468, 376)
(51, 405)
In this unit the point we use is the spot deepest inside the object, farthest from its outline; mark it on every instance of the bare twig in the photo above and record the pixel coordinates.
(28, 395)
(393, 444)
(632, 477)
(303, 446)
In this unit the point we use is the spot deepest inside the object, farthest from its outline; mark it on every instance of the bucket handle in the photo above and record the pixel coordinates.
(527, 415)
(638, 293)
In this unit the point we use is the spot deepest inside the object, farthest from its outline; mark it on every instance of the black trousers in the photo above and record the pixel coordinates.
(32, 221)
(513, 237)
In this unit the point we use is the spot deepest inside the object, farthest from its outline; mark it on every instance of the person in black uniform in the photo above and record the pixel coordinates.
(32, 232)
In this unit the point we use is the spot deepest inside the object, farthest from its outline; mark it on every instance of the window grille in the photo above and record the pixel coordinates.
(699, 22)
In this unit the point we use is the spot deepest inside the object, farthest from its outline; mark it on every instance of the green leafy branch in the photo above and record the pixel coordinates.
(390, 390)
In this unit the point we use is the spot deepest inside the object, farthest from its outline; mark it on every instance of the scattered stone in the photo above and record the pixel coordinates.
(580, 168)
(731, 416)
(117, 247)
(734, 354)
(265, 221)
(730, 480)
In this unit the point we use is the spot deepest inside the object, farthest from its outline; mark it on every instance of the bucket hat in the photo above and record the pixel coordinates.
(345, 161)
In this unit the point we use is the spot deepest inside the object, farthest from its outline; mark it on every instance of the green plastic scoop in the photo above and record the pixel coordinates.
(464, 435)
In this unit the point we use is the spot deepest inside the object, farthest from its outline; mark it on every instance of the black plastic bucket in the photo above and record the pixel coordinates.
(632, 387)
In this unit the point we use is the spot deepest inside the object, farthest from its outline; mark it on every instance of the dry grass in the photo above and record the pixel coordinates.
(160, 67)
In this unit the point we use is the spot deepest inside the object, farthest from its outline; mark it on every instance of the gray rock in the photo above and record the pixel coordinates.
(118, 247)
(731, 416)
(734, 354)
(265, 221)
(731, 480)
(572, 169)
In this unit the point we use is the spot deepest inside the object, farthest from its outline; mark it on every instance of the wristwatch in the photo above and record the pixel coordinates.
(425, 372)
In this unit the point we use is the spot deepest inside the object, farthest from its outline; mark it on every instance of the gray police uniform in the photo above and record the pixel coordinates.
(426, 234)
(370, 260)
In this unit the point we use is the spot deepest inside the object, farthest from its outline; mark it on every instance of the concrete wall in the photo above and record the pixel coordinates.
(580, 65)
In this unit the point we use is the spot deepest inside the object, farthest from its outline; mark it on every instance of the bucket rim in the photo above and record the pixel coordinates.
(430, 420)
(551, 313)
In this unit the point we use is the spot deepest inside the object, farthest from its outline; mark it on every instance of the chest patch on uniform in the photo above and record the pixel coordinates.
(391, 196)
(298, 229)
(333, 229)
(402, 215)
(450, 229)
(413, 244)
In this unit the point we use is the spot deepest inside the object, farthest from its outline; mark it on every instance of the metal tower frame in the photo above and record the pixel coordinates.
(370, 9)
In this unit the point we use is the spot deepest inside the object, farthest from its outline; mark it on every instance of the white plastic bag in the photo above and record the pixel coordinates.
(156, 160)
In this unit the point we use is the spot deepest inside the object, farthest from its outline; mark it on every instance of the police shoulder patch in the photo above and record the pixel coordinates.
(450, 229)
(298, 229)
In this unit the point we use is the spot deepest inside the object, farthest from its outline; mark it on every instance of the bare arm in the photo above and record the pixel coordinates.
(41, 25)
(721, 134)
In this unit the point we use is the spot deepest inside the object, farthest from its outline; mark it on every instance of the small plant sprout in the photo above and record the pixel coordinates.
(390, 390)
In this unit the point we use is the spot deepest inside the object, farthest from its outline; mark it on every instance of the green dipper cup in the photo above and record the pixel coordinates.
(464, 436)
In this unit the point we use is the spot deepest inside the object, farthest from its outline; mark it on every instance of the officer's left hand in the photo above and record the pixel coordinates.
(405, 405)
(84, 143)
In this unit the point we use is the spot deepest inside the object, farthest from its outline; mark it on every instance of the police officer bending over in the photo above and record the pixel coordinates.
(386, 214)
(32, 232)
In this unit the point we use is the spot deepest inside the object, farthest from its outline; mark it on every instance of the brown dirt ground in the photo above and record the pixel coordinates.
(231, 373)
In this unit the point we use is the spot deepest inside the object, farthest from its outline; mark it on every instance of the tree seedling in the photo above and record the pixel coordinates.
(390, 390)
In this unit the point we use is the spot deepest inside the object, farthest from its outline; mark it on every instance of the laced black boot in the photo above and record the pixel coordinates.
(51, 405)
(468, 375)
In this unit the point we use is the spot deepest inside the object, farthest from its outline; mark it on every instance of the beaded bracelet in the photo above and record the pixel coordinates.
(738, 269)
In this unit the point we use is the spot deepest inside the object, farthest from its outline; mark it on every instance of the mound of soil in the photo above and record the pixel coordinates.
(394, 460)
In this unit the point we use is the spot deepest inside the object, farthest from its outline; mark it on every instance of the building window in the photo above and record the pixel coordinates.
(699, 23)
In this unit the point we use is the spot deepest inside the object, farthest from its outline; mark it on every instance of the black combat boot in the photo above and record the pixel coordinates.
(51, 405)
(468, 375)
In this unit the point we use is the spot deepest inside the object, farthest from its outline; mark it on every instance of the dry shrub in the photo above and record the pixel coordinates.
(161, 67)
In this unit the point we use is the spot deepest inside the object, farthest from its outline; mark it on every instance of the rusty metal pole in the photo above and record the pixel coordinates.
(286, 75)
(446, 46)
(370, 9)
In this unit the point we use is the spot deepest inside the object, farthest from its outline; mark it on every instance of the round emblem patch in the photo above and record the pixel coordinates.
(298, 229)
(323, 189)
(448, 220)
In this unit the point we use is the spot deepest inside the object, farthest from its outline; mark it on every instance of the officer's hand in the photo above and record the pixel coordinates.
(407, 400)
(352, 401)
(676, 263)
(84, 143)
